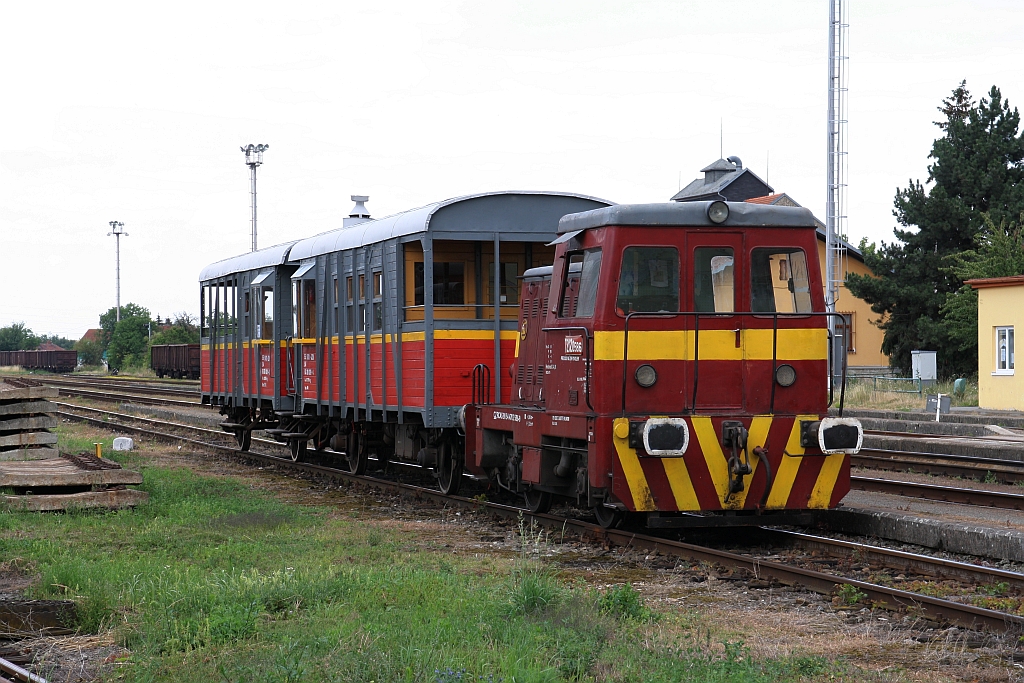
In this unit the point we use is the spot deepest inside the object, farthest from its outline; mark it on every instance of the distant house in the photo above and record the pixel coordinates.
(92, 335)
(726, 179)
(999, 313)
(49, 346)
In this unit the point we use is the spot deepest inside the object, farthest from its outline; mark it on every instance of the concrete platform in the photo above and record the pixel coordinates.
(980, 531)
(999, 447)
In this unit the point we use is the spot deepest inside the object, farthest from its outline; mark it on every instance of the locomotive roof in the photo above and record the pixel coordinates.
(517, 215)
(688, 214)
(261, 258)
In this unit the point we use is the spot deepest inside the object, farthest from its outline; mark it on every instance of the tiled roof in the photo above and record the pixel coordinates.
(92, 335)
(985, 283)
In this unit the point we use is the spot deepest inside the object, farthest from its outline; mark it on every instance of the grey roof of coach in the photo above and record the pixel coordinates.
(423, 219)
(688, 214)
(261, 258)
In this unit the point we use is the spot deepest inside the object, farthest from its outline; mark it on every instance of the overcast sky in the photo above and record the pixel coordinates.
(135, 112)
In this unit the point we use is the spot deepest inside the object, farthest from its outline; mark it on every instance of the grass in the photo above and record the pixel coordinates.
(211, 580)
(860, 393)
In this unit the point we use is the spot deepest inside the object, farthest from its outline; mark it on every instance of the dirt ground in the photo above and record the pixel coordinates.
(772, 621)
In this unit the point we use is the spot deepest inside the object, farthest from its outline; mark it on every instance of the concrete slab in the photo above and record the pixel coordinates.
(27, 439)
(30, 453)
(115, 498)
(24, 423)
(12, 393)
(61, 472)
(27, 407)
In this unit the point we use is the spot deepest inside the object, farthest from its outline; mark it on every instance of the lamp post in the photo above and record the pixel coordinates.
(253, 158)
(116, 229)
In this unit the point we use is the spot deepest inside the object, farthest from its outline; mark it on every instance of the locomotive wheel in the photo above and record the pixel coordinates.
(607, 517)
(355, 453)
(244, 438)
(298, 449)
(538, 501)
(449, 469)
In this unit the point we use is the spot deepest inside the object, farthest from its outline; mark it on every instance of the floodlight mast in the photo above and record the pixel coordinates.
(116, 229)
(835, 204)
(253, 159)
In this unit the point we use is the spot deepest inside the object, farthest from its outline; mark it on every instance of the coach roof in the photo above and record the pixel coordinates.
(262, 258)
(688, 214)
(516, 215)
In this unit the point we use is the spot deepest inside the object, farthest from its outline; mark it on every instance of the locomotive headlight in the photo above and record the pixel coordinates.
(646, 376)
(785, 375)
(718, 212)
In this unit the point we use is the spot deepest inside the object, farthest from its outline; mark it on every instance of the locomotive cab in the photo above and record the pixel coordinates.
(674, 359)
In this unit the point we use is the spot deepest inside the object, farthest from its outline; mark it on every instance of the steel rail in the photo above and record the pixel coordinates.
(121, 386)
(122, 398)
(883, 596)
(897, 559)
(993, 438)
(13, 672)
(947, 494)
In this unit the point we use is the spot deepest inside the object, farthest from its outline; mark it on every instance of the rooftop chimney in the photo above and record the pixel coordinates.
(359, 213)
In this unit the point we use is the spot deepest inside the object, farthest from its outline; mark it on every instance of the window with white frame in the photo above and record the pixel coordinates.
(1004, 351)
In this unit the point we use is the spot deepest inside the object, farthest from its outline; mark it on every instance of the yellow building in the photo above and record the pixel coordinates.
(865, 355)
(1000, 310)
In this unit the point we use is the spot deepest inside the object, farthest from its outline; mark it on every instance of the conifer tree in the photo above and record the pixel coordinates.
(977, 169)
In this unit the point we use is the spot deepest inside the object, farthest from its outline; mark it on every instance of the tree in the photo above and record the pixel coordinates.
(62, 342)
(90, 352)
(182, 331)
(1000, 253)
(978, 169)
(108, 320)
(17, 337)
(129, 343)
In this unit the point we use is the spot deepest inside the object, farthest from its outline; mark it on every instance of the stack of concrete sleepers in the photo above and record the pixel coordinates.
(34, 475)
(26, 418)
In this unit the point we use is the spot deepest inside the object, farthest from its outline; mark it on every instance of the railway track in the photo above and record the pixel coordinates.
(967, 466)
(126, 386)
(12, 673)
(822, 582)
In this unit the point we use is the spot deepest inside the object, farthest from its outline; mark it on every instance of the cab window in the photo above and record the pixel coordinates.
(713, 289)
(579, 289)
(649, 280)
(779, 281)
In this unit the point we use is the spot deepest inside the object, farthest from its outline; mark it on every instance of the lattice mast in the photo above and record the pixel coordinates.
(835, 204)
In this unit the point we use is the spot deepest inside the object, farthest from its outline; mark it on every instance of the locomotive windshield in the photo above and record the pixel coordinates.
(713, 290)
(779, 281)
(649, 280)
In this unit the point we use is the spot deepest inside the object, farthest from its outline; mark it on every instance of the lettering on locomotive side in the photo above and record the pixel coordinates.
(511, 417)
(574, 344)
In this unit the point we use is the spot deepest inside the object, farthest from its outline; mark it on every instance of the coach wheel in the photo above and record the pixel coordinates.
(298, 449)
(355, 453)
(538, 501)
(244, 438)
(449, 469)
(607, 517)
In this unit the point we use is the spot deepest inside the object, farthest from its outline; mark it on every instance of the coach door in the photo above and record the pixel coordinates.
(262, 353)
(715, 269)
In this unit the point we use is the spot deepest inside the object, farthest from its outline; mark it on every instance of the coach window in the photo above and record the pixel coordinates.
(649, 280)
(378, 307)
(349, 305)
(204, 303)
(508, 282)
(449, 283)
(268, 313)
(335, 305)
(779, 281)
(713, 288)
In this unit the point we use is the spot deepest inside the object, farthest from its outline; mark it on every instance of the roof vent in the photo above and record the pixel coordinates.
(735, 160)
(359, 213)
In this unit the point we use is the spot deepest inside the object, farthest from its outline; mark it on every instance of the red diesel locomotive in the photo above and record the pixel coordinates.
(672, 360)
